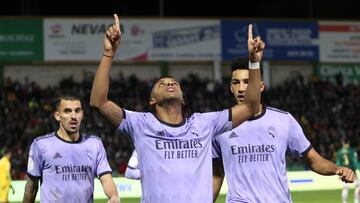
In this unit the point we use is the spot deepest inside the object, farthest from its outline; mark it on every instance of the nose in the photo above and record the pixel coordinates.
(242, 87)
(73, 115)
(170, 84)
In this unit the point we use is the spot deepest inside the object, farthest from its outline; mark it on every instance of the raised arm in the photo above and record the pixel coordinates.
(100, 88)
(323, 166)
(31, 188)
(250, 106)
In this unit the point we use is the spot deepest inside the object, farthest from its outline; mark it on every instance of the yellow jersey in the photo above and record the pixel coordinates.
(5, 177)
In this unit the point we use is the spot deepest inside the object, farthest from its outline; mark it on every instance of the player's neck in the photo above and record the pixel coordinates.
(169, 113)
(260, 111)
(73, 137)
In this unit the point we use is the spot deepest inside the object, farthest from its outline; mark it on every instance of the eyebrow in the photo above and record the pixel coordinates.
(77, 108)
(162, 80)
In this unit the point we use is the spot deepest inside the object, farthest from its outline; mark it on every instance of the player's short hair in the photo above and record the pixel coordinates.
(70, 96)
(243, 64)
(155, 81)
(345, 140)
(5, 150)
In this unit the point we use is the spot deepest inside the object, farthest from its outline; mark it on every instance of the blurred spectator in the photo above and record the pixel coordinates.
(326, 111)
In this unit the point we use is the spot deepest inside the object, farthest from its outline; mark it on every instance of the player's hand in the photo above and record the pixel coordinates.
(345, 174)
(255, 46)
(112, 37)
(13, 190)
(114, 199)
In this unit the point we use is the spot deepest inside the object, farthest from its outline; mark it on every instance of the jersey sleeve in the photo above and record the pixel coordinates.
(220, 121)
(216, 150)
(102, 164)
(131, 122)
(338, 158)
(35, 161)
(355, 159)
(297, 143)
(133, 161)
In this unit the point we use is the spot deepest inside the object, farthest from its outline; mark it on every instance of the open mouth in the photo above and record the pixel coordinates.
(241, 97)
(170, 89)
(73, 124)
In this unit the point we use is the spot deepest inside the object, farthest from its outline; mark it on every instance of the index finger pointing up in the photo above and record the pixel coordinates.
(117, 23)
(250, 32)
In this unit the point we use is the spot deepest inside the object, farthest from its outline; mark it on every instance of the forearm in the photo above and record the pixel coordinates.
(110, 190)
(109, 186)
(217, 183)
(253, 93)
(31, 189)
(218, 177)
(100, 88)
(324, 167)
(319, 164)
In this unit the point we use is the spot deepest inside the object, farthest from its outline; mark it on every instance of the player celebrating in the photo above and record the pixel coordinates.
(253, 154)
(174, 152)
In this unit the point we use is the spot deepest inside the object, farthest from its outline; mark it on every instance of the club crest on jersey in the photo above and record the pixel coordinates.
(272, 132)
(232, 135)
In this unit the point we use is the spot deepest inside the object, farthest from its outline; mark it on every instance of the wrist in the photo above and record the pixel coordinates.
(109, 53)
(108, 56)
(254, 65)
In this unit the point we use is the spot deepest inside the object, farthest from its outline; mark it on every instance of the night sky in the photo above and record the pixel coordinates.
(293, 9)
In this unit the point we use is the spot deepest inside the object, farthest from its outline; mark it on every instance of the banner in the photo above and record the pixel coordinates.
(184, 39)
(21, 40)
(350, 72)
(284, 40)
(339, 41)
(142, 39)
(83, 39)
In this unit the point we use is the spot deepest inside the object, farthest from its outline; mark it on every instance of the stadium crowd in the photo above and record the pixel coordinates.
(325, 110)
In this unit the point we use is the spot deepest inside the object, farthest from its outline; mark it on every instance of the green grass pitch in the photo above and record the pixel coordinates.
(326, 196)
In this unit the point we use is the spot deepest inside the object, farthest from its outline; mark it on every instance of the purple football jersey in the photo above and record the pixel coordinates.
(67, 169)
(175, 160)
(253, 155)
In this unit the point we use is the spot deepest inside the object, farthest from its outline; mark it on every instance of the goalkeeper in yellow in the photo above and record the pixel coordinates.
(347, 156)
(5, 177)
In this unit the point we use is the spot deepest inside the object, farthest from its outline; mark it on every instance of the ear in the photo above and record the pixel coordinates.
(231, 89)
(152, 101)
(57, 115)
(262, 86)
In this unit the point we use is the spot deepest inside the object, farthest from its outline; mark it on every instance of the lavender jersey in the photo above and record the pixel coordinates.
(253, 155)
(67, 169)
(175, 160)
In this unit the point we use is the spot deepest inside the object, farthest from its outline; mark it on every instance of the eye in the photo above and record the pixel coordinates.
(176, 83)
(78, 110)
(67, 110)
(235, 82)
(161, 84)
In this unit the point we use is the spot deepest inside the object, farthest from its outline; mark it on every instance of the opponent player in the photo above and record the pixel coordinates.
(347, 157)
(5, 175)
